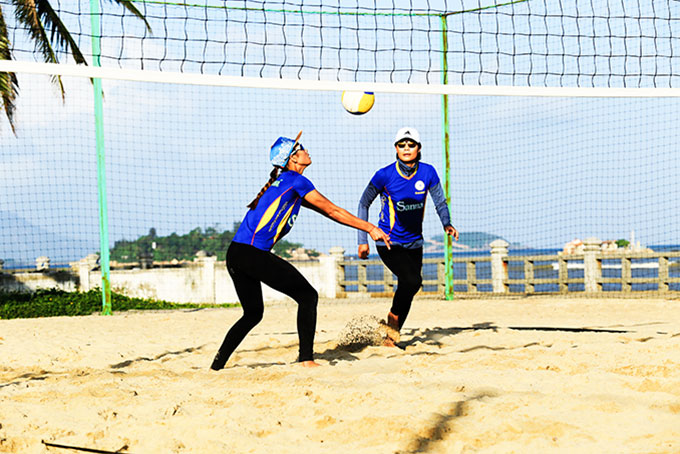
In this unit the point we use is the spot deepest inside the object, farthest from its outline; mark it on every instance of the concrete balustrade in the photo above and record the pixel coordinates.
(205, 280)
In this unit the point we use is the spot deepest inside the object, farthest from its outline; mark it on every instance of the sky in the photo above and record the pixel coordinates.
(537, 171)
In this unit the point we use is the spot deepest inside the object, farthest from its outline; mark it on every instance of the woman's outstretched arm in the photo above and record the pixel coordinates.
(317, 202)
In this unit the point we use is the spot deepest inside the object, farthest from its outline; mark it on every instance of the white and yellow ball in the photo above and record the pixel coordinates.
(357, 102)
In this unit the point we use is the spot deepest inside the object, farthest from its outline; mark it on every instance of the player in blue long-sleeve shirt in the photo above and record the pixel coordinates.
(403, 187)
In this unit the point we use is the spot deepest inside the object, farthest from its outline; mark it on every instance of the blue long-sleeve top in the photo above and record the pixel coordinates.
(391, 179)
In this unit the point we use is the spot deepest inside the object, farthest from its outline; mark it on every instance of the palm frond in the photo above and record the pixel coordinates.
(9, 84)
(130, 7)
(59, 33)
(37, 17)
(27, 15)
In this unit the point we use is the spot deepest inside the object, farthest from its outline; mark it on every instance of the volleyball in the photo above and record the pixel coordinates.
(357, 102)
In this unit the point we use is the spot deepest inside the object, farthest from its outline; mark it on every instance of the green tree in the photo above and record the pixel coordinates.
(185, 247)
(622, 243)
(49, 34)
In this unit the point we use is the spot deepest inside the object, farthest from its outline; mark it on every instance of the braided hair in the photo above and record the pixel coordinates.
(272, 178)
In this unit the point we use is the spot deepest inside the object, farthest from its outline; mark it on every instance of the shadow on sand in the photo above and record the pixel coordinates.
(335, 353)
(433, 336)
(155, 358)
(441, 426)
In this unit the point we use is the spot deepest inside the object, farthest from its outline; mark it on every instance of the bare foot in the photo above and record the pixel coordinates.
(393, 321)
(390, 330)
(388, 342)
(309, 364)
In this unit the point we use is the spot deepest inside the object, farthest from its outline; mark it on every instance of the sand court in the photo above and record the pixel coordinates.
(505, 375)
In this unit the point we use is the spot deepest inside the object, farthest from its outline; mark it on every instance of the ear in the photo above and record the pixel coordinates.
(291, 161)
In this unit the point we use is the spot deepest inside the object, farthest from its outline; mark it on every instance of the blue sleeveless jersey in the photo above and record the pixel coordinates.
(403, 200)
(275, 213)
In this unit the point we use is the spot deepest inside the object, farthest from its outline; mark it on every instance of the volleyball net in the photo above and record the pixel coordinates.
(506, 43)
(561, 120)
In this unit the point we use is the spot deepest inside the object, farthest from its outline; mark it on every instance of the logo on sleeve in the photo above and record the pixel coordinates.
(291, 221)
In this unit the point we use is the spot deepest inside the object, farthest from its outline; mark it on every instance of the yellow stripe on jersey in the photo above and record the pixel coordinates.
(393, 213)
(282, 224)
(268, 215)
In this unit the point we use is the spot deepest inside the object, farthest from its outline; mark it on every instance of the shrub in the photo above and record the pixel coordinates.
(54, 302)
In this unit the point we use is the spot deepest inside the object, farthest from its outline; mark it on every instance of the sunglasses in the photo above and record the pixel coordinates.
(407, 143)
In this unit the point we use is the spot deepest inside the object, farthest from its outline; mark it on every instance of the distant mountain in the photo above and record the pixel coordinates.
(478, 240)
(467, 241)
(21, 242)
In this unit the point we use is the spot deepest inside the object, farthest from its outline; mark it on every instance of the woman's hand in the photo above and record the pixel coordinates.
(451, 231)
(364, 250)
(379, 235)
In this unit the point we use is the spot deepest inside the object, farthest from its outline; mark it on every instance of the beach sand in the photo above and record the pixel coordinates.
(511, 375)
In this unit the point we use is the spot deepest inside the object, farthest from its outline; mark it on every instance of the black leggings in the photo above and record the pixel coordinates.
(407, 264)
(248, 267)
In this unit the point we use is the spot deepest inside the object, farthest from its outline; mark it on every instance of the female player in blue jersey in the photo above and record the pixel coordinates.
(250, 262)
(403, 187)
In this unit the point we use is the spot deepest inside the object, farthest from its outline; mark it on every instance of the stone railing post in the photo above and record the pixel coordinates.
(337, 254)
(207, 264)
(591, 265)
(499, 271)
(663, 274)
(42, 263)
(146, 260)
(84, 266)
(362, 268)
(328, 285)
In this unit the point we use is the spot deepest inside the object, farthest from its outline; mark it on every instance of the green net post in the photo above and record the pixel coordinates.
(448, 264)
(101, 167)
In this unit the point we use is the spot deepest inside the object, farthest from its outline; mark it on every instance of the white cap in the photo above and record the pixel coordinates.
(407, 134)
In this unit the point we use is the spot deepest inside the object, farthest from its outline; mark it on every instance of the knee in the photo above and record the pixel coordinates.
(253, 317)
(313, 296)
(309, 297)
(411, 283)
